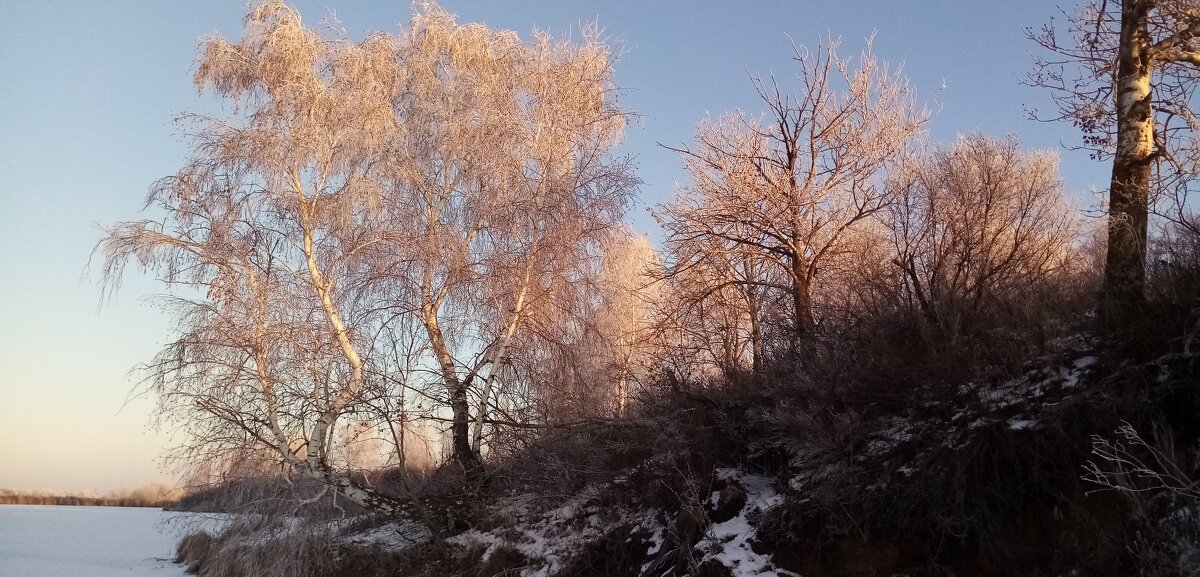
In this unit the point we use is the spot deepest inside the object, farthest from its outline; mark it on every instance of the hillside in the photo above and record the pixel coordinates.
(985, 479)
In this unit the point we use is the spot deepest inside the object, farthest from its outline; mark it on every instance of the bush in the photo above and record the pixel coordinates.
(194, 550)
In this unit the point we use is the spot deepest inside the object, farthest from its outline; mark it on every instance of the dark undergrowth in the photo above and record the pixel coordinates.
(881, 467)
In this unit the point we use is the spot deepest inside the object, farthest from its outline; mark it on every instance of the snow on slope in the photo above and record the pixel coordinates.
(393, 537)
(729, 542)
(551, 538)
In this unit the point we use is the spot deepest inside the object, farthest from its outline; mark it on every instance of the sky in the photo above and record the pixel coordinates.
(90, 91)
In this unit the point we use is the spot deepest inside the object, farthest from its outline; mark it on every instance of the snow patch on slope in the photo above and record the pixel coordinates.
(729, 542)
(394, 536)
(550, 539)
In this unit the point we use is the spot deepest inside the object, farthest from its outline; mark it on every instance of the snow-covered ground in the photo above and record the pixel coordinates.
(729, 541)
(60, 541)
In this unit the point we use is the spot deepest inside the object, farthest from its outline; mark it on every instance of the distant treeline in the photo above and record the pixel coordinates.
(149, 496)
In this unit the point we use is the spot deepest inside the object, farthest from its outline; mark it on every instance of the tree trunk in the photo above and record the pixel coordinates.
(622, 393)
(802, 303)
(756, 337)
(443, 516)
(323, 426)
(496, 359)
(361, 494)
(460, 431)
(460, 428)
(1125, 266)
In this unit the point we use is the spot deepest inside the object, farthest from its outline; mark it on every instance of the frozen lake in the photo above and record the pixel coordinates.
(59, 541)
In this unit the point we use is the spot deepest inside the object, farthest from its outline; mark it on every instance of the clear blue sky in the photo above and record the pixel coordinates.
(90, 88)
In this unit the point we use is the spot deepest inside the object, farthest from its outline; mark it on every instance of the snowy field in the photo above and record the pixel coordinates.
(59, 541)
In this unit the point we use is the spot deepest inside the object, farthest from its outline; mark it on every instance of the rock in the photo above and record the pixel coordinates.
(730, 502)
(713, 568)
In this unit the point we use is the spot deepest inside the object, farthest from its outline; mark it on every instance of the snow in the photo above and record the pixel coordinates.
(394, 536)
(906, 444)
(729, 542)
(549, 538)
(1032, 385)
(656, 540)
(61, 541)
(1085, 362)
(550, 531)
(1021, 424)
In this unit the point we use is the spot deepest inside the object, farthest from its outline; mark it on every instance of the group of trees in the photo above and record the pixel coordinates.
(417, 239)
(798, 225)
(155, 495)
(377, 233)
(774, 203)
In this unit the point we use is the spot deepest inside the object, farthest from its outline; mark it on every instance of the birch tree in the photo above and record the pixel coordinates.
(628, 288)
(447, 178)
(504, 173)
(1125, 73)
(784, 191)
(266, 229)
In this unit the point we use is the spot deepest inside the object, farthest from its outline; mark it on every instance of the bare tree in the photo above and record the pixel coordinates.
(628, 288)
(584, 350)
(266, 224)
(978, 223)
(447, 178)
(1126, 76)
(717, 306)
(784, 194)
(504, 175)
